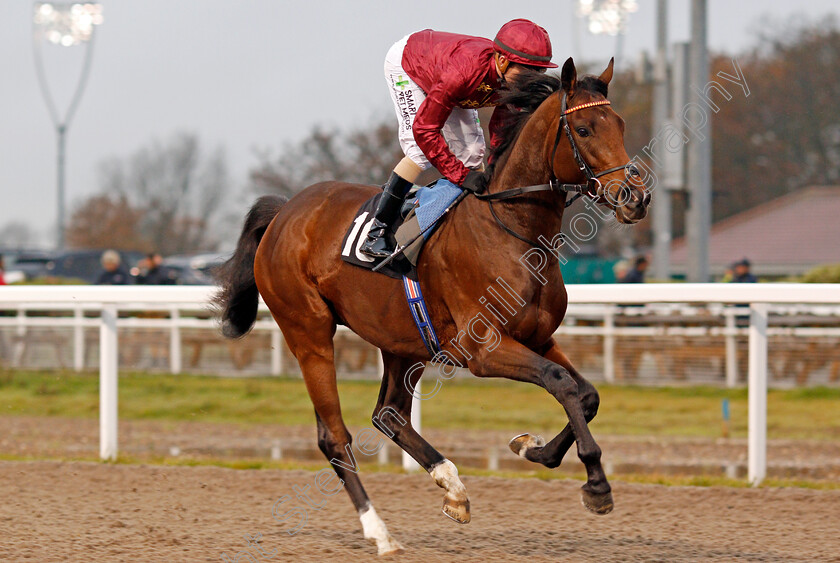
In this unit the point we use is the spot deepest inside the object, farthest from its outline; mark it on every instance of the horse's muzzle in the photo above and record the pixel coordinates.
(634, 210)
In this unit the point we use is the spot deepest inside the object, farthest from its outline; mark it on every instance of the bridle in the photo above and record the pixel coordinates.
(591, 188)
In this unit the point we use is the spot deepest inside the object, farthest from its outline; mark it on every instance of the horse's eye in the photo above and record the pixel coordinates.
(582, 131)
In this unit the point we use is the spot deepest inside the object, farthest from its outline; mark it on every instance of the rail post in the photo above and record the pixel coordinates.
(609, 345)
(276, 351)
(408, 462)
(78, 339)
(20, 332)
(731, 348)
(108, 360)
(757, 455)
(175, 363)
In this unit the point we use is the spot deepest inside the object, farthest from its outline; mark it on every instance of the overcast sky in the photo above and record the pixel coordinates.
(250, 74)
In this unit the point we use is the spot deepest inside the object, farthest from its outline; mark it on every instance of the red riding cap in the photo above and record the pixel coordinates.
(524, 42)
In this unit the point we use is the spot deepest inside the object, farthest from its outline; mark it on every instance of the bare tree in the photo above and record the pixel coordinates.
(107, 221)
(176, 188)
(16, 234)
(364, 155)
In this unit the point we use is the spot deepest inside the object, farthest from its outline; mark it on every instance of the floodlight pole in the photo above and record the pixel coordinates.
(661, 208)
(61, 123)
(61, 155)
(619, 46)
(699, 170)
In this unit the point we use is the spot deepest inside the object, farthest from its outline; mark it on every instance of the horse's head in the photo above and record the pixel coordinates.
(588, 145)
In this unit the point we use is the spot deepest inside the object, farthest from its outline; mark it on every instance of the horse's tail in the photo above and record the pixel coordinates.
(237, 300)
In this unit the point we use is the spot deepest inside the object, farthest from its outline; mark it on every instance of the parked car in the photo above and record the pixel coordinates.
(21, 265)
(195, 269)
(85, 264)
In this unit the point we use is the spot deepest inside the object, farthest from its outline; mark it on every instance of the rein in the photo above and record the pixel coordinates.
(591, 188)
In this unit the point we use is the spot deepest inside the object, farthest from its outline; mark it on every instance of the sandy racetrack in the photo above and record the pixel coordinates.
(54, 511)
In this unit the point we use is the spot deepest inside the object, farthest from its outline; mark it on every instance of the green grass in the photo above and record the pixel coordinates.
(812, 413)
(542, 474)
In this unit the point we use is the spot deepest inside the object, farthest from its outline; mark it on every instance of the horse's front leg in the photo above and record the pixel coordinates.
(534, 448)
(512, 360)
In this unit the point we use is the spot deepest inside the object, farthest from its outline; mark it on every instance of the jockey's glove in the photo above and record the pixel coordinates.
(474, 181)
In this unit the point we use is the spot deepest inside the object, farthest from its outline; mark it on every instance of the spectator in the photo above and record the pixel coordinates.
(2, 269)
(741, 272)
(114, 273)
(620, 269)
(154, 272)
(637, 273)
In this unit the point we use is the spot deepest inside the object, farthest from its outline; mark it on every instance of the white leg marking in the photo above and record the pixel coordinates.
(531, 442)
(456, 503)
(374, 529)
(445, 475)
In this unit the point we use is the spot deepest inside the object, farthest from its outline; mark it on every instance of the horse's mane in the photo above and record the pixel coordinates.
(523, 97)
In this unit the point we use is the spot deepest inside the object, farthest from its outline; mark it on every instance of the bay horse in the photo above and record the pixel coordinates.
(289, 253)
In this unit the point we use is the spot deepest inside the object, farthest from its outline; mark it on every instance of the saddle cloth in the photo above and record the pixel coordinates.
(422, 212)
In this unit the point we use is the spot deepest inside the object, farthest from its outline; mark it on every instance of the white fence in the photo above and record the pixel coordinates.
(599, 300)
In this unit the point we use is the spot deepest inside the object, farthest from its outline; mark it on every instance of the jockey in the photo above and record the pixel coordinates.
(437, 82)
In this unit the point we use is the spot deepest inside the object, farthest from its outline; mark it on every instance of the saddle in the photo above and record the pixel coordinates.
(420, 217)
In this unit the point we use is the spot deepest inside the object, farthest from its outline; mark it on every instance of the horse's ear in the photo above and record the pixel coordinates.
(568, 76)
(607, 75)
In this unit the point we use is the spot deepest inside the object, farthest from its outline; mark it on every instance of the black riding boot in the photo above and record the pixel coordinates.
(377, 244)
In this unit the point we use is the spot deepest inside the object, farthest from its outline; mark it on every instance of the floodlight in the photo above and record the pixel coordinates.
(606, 16)
(67, 24)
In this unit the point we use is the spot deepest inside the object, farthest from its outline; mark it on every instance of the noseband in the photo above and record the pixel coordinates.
(591, 188)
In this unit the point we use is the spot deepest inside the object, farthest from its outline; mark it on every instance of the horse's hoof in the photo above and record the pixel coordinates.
(524, 442)
(458, 510)
(599, 503)
(392, 548)
(386, 545)
(374, 530)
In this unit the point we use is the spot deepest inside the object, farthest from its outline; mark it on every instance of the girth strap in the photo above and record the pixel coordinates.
(421, 315)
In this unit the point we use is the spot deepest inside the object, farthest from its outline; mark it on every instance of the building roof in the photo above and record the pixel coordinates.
(785, 236)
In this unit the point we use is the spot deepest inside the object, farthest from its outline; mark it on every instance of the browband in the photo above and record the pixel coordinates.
(587, 105)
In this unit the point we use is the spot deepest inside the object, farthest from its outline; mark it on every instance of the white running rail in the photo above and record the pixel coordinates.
(110, 300)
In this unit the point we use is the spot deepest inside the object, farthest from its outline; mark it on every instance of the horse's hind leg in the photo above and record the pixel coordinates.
(392, 416)
(533, 448)
(313, 348)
